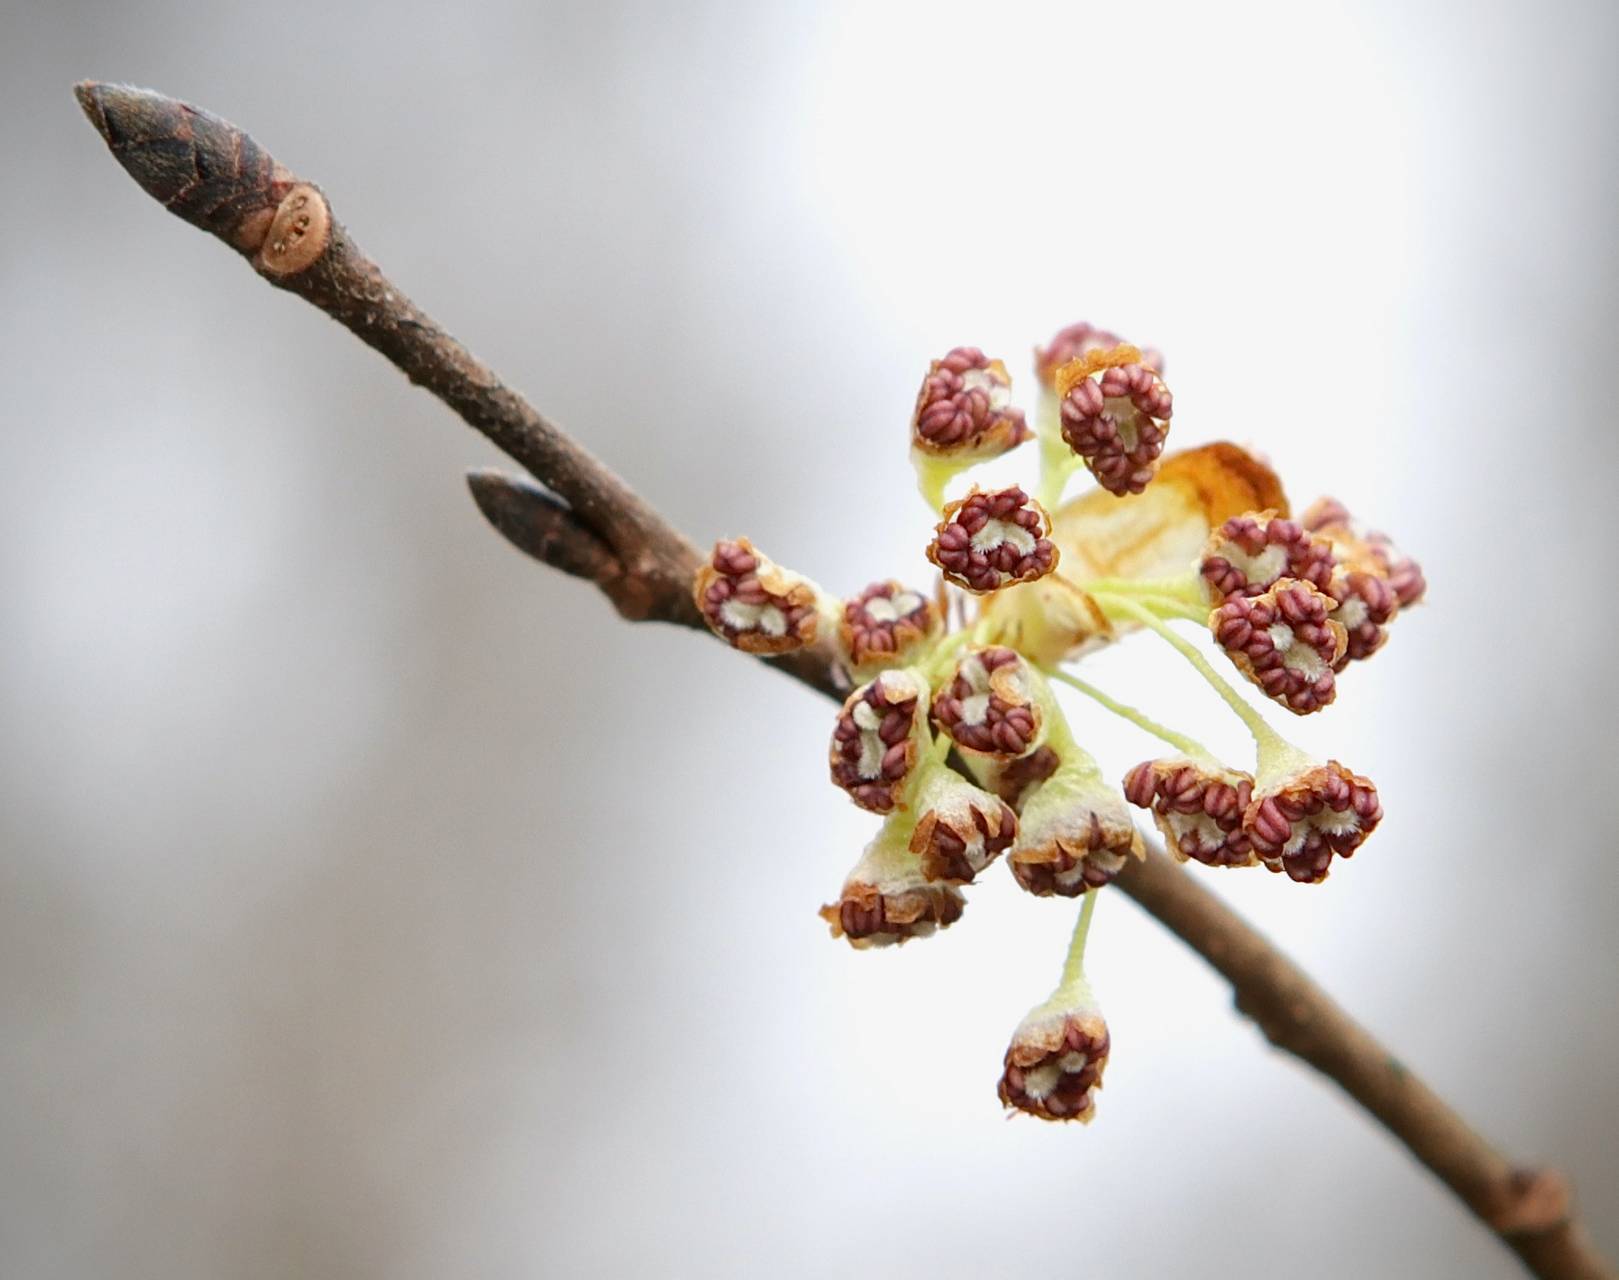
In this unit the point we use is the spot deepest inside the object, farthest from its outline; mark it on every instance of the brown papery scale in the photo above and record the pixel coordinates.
(1286, 642)
(988, 705)
(1115, 413)
(964, 408)
(877, 740)
(1299, 824)
(993, 539)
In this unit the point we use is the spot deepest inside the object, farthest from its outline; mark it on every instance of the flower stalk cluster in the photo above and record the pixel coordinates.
(952, 733)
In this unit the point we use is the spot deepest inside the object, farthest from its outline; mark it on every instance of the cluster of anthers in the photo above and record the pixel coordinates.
(952, 733)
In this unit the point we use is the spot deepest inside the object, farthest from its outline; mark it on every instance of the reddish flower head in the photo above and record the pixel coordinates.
(752, 603)
(993, 539)
(886, 624)
(989, 705)
(1055, 1062)
(880, 736)
(964, 409)
(1074, 834)
(1198, 808)
(961, 830)
(1077, 340)
(1366, 604)
(886, 898)
(1115, 413)
(1285, 641)
(1249, 554)
(1366, 549)
(1299, 821)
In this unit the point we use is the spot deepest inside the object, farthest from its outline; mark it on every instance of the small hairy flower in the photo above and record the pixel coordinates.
(992, 539)
(1300, 819)
(1076, 340)
(880, 736)
(886, 898)
(964, 409)
(1115, 413)
(1366, 549)
(1055, 1062)
(1015, 780)
(752, 603)
(1366, 604)
(1249, 554)
(990, 706)
(1074, 834)
(960, 829)
(1198, 807)
(886, 625)
(1285, 641)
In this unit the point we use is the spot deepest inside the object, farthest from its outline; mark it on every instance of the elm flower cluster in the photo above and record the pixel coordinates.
(952, 733)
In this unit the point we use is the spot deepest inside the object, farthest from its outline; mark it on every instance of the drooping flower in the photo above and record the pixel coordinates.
(992, 539)
(1074, 834)
(752, 603)
(887, 625)
(964, 409)
(1304, 812)
(960, 828)
(990, 705)
(1285, 641)
(1198, 806)
(880, 737)
(1115, 413)
(886, 898)
(1054, 1065)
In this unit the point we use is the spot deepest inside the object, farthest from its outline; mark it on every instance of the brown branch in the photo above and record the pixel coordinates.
(216, 177)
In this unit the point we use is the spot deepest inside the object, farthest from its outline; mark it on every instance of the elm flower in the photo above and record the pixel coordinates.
(961, 828)
(1366, 549)
(1285, 641)
(1303, 812)
(754, 604)
(990, 705)
(1366, 604)
(1115, 413)
(992, 539)
(1015, 780)
(886, 898)
(880, 737)
(964, 409)
(1054, 1065)
(1249, 554)
(887, 625)
(1074, 832)
(1198, 805)
(1076, 340)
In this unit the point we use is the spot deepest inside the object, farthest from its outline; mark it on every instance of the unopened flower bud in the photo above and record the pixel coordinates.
(990, 705)
(1249, 554)
(1115, 413)
(887, 625)
(1078, 340)
(992, 539)
(960, 829)
(1301, 818)
(886, 898)
(964, 410)
(880, 737)
(1198, 807)
(752, 603)
(1285, 641)
(1055, 1062)
(1074, 833)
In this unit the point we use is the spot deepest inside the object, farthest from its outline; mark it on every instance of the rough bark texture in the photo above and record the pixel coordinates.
(595, 527)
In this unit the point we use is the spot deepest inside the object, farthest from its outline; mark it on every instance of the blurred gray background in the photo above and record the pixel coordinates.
(374, 903)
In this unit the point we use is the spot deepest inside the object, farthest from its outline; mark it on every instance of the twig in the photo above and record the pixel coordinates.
(216, 177)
